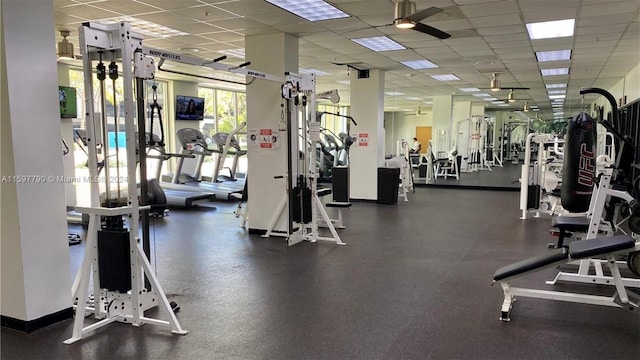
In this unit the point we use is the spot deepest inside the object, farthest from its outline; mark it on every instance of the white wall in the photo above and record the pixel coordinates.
(402, 125)
(37, 247)
(629, 86)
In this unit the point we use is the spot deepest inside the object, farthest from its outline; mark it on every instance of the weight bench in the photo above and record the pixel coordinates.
(337, 223)
(606, 247)
(566, 226)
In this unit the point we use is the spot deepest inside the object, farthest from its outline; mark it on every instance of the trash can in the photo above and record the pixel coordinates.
(388, 184)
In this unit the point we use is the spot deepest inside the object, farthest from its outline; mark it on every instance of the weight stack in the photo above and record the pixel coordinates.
(114, 260)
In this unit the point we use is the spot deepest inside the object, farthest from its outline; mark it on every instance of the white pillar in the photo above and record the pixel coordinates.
(367, 108)
(36, 281)
(443, 120)
(273, 54)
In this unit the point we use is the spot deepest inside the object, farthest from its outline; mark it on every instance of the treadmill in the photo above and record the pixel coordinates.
(180, 195)
(194, 144)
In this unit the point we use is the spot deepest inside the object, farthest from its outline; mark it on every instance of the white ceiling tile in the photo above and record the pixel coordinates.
(610, 29)
(509, 45)
(536, 5)
(605, 8)
(488, 9)
(545, 15)
(507, 37)
(169, 4)
(505, 19)
(501, 30)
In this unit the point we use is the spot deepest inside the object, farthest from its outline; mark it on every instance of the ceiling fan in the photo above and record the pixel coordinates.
(494, 85)
(406, 17)
(511, 98)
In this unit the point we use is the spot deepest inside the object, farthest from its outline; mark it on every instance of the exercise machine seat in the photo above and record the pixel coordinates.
(533, 263)
(601, 245)
(338, 204)
(566, 225)
(571, 223)
(324, 191)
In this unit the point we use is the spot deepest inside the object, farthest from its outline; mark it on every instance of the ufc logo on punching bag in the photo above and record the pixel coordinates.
(586, 170)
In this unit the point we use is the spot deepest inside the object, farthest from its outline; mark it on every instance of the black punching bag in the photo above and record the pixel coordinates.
(579, 167)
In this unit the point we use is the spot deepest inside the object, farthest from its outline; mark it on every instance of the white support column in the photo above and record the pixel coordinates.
(35, 255)
(367, 108)
(443, 118)
(274, 54)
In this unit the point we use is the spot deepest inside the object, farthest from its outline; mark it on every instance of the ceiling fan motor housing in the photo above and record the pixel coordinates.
(404, 8)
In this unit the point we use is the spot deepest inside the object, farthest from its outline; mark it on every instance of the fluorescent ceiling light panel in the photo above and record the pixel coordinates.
(503, 105)
(490, 98)
(554, 97)
(481, 95)
(428, 102)
(552, 72)
(445, 77)
(393, 93)
(379, 43)
(556, 55)
(555, 86)
(470, 89)
(145, 27)
(413, 98)
(554, 92)
(551, 29)
(314, 71)
(419, 64)
(497, 102)
(312, 10)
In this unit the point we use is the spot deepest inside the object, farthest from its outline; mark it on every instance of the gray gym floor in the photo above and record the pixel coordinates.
(503, 178)
(413, 282)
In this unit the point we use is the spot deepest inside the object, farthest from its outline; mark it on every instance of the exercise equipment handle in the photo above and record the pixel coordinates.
(614, 110)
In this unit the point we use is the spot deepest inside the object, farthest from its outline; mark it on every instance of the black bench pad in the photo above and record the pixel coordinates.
(601, 245)
(338, 204)
(531, 264)
(571, 223)
(324, 191)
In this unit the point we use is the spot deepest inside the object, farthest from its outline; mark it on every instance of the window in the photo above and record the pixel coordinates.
(224, 111)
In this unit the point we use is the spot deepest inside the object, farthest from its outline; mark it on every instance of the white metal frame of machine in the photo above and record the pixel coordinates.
(110, 306)
(297, 91)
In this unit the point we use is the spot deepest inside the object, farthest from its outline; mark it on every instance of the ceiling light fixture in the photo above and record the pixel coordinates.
(445, 77)
(555, 86)
(65, 48)
(419, 64)
(379, 43)
(551, 29)
(469, 89)
(495, 83)
(511, 98)
(556, 55)
(553, 72)
(312, 10)
(525, 108)
(404, 9)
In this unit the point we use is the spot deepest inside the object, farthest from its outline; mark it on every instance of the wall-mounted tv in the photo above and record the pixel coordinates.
(189, 108)
(68, 102)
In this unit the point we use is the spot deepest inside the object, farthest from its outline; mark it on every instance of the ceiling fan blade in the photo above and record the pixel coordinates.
(423, 14)
(429, 30)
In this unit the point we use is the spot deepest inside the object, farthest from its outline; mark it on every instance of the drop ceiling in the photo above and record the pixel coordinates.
(487, 36)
